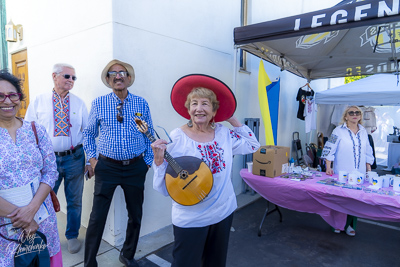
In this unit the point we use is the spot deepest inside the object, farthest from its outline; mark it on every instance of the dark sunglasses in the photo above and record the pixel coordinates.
(352, 113)
(114, 73)
(120, 117)
(14, 97)
(67, 76)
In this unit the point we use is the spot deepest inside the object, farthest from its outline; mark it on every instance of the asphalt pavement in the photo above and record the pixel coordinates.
(301, 239)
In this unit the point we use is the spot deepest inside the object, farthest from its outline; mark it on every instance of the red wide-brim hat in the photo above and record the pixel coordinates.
(182, 87)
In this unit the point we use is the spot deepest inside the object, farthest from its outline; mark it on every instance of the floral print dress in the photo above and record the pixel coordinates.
(20, 163)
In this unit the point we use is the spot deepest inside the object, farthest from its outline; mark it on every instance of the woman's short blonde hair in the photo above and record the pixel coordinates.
(201, 92)
(347, 110)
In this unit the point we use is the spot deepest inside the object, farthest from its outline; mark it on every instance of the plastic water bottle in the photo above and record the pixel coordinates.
(291, 165)
(319, 168)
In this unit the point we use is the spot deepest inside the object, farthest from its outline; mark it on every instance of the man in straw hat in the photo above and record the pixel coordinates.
(124, 157)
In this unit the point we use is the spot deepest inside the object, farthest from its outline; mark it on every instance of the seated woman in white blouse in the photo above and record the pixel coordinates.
(349, 150)
(201, 231)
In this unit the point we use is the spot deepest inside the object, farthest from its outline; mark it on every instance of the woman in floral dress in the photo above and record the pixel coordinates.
(23, 163)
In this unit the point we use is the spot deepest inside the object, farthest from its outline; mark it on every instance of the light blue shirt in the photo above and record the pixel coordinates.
(119, 141)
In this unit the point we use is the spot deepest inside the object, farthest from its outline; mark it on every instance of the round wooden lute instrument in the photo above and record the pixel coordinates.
(188, 179)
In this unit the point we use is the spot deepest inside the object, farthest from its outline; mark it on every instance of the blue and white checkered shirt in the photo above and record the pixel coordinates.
(119, 141)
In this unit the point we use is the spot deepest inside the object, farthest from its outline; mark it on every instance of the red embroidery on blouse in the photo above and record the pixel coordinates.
(234, 135)
(213, 156)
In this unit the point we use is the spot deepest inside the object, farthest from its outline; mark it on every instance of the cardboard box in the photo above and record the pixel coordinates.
(271, 161)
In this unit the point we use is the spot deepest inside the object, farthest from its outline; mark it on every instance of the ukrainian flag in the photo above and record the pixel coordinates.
(268, 96)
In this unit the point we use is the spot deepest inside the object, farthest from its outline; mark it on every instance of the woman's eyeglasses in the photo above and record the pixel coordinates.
(352, 113)
(170, 141)
(67, 76)
(120, 117)
(14, 97)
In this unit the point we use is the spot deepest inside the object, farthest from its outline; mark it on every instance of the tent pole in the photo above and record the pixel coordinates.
(234, 70)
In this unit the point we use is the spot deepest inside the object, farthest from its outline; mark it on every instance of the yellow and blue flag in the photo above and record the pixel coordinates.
(268, 96)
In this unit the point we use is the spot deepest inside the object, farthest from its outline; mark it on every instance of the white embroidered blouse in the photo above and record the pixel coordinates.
(348, 151)
(218, 155)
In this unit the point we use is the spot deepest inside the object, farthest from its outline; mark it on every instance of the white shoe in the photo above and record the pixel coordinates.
(74, 245)
(350, 231)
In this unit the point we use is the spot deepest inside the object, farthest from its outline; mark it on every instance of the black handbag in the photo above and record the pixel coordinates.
(30, 251)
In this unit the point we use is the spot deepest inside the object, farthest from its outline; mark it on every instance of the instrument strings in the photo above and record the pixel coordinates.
(193, 188)
(200, 195)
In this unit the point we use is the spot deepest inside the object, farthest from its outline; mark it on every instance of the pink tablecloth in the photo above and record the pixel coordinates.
(332, 203)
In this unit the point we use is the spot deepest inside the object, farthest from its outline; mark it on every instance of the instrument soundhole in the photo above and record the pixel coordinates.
(184, 174)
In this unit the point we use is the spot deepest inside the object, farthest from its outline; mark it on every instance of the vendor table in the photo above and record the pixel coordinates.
(332, 203)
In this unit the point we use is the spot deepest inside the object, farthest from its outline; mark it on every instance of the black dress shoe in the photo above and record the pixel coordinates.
(126, 262)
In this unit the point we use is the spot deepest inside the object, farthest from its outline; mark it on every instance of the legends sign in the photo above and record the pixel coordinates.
(358, 12)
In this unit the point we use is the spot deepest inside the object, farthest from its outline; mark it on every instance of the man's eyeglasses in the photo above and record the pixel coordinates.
(14, 97)
(352, 113)
(120, 117)
(113, 74)
(67, 76)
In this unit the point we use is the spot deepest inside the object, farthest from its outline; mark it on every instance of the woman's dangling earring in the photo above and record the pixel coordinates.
(212, 124)
(190, 123)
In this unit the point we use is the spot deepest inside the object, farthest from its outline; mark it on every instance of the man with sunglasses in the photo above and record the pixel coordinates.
(64, 115)
(121, 157)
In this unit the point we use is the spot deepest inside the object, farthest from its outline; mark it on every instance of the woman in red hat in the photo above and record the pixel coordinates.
(201, 231)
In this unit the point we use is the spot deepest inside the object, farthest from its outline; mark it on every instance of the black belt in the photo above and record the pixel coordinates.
(121, 162)
(68, 152)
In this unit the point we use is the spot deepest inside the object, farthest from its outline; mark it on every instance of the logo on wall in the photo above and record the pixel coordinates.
(308, 41)
(384, 44)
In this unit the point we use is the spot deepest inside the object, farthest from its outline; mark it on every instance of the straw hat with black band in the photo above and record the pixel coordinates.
(182, 87)
(128, 67)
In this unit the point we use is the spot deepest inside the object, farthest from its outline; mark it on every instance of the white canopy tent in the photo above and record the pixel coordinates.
(375, 90)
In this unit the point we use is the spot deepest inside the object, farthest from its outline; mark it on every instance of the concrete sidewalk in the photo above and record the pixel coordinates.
(108, 255)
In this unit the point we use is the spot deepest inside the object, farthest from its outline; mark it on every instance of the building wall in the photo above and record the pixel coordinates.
(163, 40)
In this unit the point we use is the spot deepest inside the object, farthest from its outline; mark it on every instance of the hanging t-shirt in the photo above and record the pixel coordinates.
(310, 115)
(301, 97)
(369, 119)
